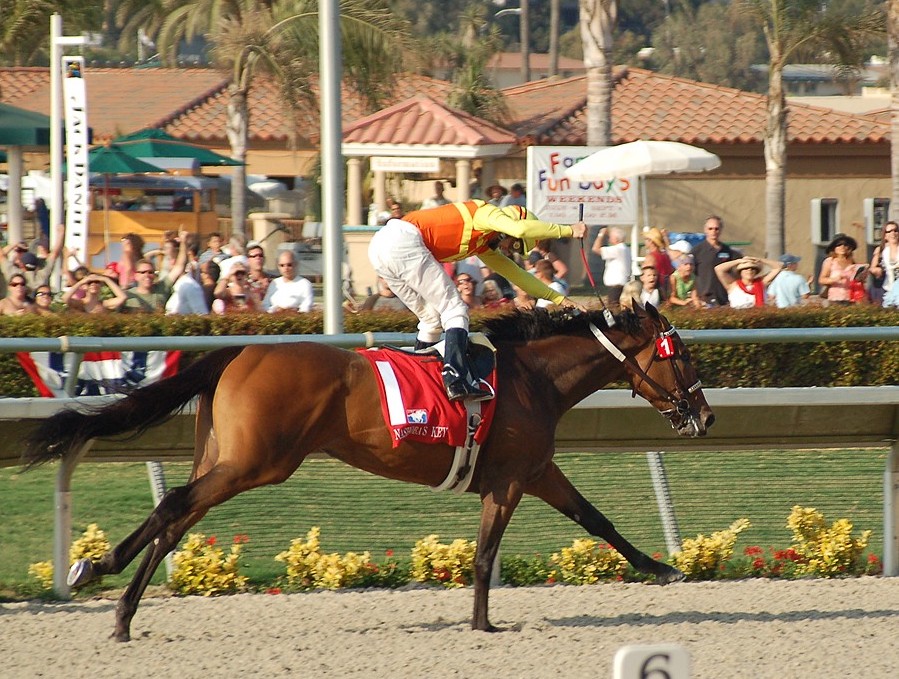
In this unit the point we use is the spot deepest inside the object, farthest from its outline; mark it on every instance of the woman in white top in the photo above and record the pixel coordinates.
(885, 260)
(746, 289)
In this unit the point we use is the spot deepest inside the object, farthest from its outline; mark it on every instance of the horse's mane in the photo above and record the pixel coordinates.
(523, 325)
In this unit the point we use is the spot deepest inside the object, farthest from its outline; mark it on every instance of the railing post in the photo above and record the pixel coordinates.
(157, 487)
(62, 524)
(663, 499)
(891, 512)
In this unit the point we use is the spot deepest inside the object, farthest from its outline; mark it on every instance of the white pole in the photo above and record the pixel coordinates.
(330, 65)
(56, 206)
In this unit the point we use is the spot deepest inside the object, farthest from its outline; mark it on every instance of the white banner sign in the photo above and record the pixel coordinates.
(404, 164)
(77, 147)
(553, 197)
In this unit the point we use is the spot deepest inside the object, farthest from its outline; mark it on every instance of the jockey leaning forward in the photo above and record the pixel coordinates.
(407, 254)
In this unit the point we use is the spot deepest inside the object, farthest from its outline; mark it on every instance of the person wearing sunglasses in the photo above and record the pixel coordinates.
(16, 302)
(706, 256)
(16, 258)
(150, 292)
(408, 253)
(235, 294)
(885, 263)
(257, 276)
(92, 301)
(289, 291)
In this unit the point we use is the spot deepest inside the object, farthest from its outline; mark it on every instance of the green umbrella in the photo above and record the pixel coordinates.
(19, 127)
(113, 160)
(109, 160)
(155, 143)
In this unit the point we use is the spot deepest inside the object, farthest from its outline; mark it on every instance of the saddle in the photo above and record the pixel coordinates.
(415, 407)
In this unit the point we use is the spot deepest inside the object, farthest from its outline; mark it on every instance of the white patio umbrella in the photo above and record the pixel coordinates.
(642, 158)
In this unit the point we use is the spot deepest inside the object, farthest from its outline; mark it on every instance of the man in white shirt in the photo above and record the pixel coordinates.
(437, 199)
(290, 291)
(617, 257)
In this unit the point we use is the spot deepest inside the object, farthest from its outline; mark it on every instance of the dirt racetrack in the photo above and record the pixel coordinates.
(754, 628)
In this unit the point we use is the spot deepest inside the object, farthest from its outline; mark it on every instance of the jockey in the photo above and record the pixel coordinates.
(407, 254)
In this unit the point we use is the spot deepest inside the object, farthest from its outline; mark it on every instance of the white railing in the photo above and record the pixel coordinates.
(746, 419)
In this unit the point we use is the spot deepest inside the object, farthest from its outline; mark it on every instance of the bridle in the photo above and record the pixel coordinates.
(678, 399)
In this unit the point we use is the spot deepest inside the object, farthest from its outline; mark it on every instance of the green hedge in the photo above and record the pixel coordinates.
(739, 365)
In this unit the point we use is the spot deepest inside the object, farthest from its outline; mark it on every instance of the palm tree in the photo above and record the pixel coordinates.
(24, 26)
(796, 28)
(280, 38)
(598, 19)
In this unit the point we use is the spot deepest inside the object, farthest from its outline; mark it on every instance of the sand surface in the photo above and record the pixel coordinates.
(754, 628)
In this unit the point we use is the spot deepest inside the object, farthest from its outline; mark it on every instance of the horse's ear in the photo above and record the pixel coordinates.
(652, 311)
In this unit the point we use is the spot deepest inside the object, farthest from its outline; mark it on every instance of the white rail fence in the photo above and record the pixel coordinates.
(608, 420)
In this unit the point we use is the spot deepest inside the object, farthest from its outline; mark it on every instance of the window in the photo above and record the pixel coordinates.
(825, 219)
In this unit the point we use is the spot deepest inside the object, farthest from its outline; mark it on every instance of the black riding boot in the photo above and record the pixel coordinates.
(421, 345)
(460, 386)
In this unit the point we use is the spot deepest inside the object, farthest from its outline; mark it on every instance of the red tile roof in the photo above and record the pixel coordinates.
(647, 105)
(270, 122)
(118, 100)
(421, 120)
(191, 103)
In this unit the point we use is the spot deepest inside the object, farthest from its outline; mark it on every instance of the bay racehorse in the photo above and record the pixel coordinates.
(263, 409)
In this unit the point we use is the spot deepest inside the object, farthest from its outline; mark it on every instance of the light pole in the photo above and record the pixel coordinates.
(524, 36)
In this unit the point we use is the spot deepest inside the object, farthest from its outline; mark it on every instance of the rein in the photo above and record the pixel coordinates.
(679, 401)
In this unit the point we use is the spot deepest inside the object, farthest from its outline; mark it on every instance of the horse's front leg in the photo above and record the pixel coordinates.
(557, 491)
(497, 506)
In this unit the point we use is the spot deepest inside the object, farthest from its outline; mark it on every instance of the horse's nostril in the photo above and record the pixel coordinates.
(709, 421)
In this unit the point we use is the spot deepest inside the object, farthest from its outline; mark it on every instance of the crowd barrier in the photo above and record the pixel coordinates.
(608, 420)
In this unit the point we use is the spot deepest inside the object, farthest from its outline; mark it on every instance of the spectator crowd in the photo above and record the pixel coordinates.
(178, 277)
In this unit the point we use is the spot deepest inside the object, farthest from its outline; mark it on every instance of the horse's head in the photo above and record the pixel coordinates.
(661, 372)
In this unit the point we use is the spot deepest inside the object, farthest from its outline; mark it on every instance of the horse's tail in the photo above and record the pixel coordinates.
(67, 431)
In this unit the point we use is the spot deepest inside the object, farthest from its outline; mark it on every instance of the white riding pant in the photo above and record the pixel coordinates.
(399, 255)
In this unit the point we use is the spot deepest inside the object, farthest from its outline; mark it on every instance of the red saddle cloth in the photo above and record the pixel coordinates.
(414, 401)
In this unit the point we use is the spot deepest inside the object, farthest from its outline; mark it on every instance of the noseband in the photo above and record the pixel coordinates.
(680, 404)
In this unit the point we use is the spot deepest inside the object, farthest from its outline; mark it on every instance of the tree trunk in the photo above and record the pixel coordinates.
(598, 19)
(237, 129)
(893, 51)
(775, 160)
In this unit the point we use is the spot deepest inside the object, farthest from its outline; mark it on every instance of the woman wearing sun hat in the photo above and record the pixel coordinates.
(746, 289)
(656, 255)
(839, 270)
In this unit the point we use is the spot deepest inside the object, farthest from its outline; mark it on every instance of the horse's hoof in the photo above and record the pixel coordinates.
(81, 572)
(670, 575)
(121, 636)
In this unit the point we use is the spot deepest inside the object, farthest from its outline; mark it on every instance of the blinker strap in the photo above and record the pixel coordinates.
(607, 343)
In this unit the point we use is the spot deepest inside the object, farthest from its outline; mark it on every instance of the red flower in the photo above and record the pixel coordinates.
(389, 553)
(753, 551)
(758, 563)
(873, 560)
(273, 590)
(210, 540)
(241, 539)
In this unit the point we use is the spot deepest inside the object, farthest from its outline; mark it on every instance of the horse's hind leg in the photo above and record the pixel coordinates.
(162, 545)
(557, 491)
(117, 559)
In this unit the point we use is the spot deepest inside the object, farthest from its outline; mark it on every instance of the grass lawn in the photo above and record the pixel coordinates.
(360, 512)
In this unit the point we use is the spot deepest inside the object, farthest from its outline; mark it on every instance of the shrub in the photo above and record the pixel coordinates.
(448, 565)
(826, 552)
(202, 568)
(704, 558)
(308, 568)
(587, 562)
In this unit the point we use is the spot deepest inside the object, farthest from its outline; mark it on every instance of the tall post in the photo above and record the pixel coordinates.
(330, 66)
(525, 43)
